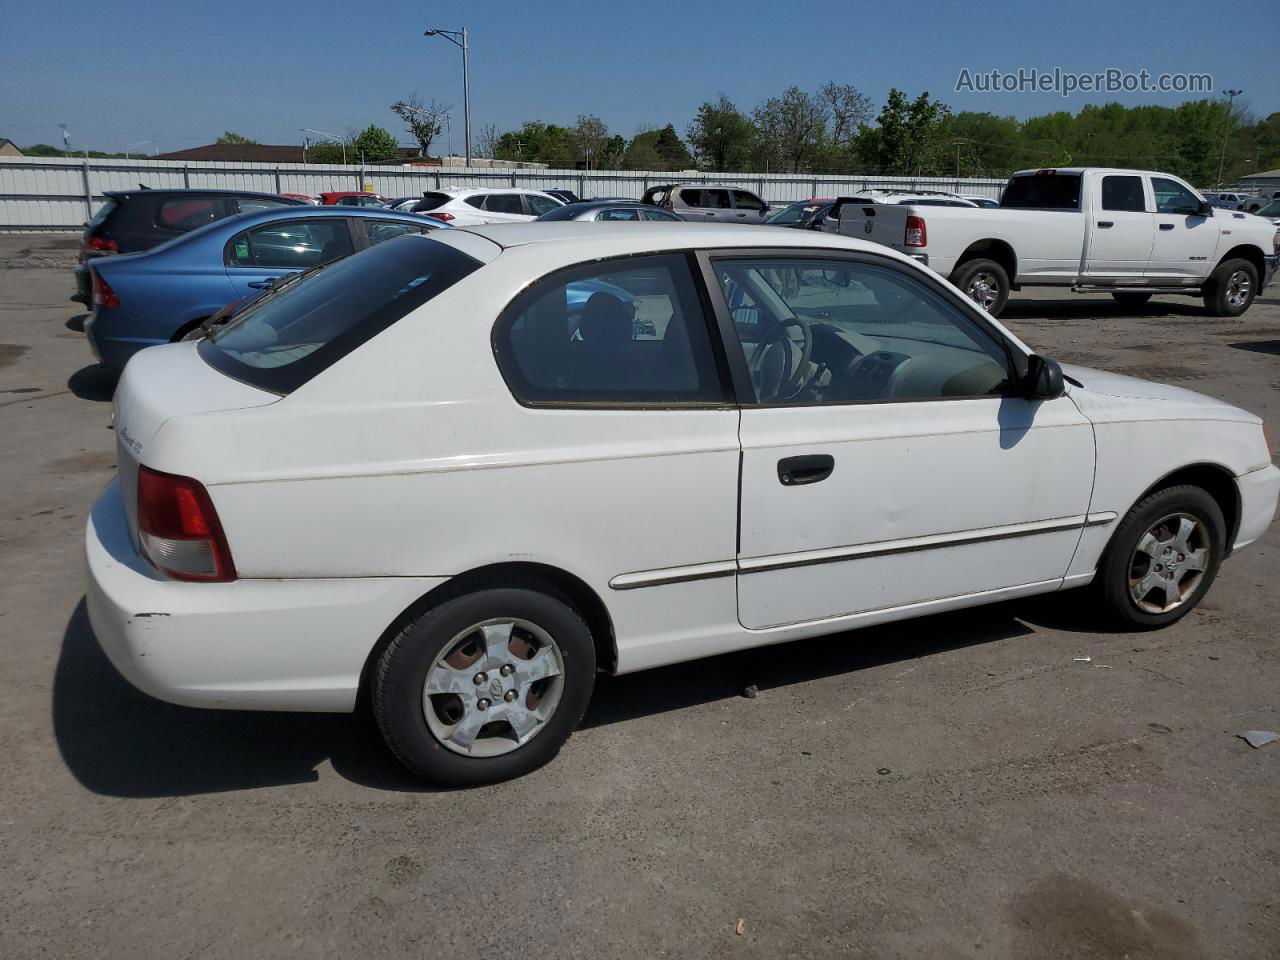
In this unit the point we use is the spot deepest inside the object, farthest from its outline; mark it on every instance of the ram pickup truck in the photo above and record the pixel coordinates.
(1130, 233)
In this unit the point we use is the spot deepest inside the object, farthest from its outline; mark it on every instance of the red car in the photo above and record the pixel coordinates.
(352, 198)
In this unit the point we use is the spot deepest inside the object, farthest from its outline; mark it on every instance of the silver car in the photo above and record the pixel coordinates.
(696, 201)
(609, 210)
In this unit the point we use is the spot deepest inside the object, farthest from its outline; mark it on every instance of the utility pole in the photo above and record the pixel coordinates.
(957, 144)
(332, 138)
(459, 38)
(1231, 99)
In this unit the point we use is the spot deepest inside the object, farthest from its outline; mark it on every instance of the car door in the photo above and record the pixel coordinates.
(1185, 241)
(265, 253)
(888, 463)
(748, 208)
(1120, 230)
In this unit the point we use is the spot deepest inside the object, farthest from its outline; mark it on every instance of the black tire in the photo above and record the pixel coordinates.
(400, 674)
(1222, 294)
(192, 331)
(971, 271)
(1127, 299)
(1113, 577)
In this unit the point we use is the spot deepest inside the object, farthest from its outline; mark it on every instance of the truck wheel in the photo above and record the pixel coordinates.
(1131, 299)
(1231, 288)
(985, 283)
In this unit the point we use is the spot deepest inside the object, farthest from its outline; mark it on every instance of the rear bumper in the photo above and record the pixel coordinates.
(1259, 490)
(250, 644)
(109, 347)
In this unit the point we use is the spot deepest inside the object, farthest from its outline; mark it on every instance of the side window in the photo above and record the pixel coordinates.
(476, 201)
(691, 197)
(716, 199)
(187, 213)
(539, 205)
(744, 200)
(1123, 193)
(298, 244)
(629, 331)
(376, 231)
(626, 213)
(839, 331)
(656, 214)
(504, 203)
(1173, 197)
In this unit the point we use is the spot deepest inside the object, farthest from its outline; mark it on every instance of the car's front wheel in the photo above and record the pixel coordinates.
(1231, 288)
(1163, 557)
(484, 687)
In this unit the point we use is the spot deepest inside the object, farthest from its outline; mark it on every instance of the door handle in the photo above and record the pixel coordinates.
(262, 284)
(1166, 226)
(794, 471)
(742, 214)
(1104, 224)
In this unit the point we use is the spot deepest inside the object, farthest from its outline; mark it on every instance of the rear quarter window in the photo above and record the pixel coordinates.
(1043, 191)
(189, 213)
(285, 339)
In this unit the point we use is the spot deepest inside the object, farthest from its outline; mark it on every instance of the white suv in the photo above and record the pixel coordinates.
(469, 208)
(453, 474)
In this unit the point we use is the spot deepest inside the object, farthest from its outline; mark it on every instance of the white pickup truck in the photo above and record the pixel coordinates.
(1131, 233)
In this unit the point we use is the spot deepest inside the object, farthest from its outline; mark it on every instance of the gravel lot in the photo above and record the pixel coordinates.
(950, 787)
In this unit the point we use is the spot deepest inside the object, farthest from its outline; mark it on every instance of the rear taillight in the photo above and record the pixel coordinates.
(915, 235)
(178, 528)
(103, 295)
(445, 217)
(102, 245)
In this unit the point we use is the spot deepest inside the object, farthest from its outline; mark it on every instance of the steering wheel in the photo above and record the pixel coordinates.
(772, 372)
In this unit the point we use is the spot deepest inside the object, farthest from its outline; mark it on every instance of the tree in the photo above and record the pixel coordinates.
(791, 130)
(675, 155)
(231, 136)
(487, 141)
(375, 144)
(589, 137)
(536, 142)
(655, 149)
(720, 135)
(911, 134)
(423, 121)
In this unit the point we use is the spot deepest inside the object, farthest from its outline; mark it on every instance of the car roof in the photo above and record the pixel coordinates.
(660, 235)
(469, 191)
(310, 212)
(197, 191)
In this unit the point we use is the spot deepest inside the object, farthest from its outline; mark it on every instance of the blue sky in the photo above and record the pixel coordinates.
(181, 73)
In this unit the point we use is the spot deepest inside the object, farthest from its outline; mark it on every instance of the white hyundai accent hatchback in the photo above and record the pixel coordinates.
(460, 474)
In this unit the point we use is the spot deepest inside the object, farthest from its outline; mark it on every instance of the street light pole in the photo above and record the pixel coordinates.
(459, 38)
(1231, 99)
(333, 138)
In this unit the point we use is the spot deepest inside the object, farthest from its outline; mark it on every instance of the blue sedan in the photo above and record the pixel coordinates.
(165, 293)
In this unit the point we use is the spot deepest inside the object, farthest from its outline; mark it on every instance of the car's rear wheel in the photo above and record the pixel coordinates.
(984, 282)
(1163, 558)
(484, 687)
(1127, 299)
(1231, 289)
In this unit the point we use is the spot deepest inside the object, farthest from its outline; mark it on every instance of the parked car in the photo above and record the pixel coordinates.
(1228, 200)
(467, 208)
(919, 198)
(1271, 212)
(610, 210)
(164, 294)
(301, 197)
(564, 196)
(989, 202)
(804, 214)
(352, 198)
(397, 202)
(130, 221)
(1130, 233)
(701, 202)
(403, 480)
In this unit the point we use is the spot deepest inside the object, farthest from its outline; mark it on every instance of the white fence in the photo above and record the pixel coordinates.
(58, 193)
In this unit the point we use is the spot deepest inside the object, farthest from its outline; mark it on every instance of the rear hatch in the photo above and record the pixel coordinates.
(159, 384)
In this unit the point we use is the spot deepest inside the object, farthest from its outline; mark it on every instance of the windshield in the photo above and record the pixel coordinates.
(282, 341)
(792, 214)
(1272, 209)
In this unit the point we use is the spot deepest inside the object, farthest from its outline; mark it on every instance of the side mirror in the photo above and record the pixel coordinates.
(1044, 380)
(1206, 209)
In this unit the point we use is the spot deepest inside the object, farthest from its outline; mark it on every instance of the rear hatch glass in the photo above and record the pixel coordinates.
(283, 340)
(431, 201)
